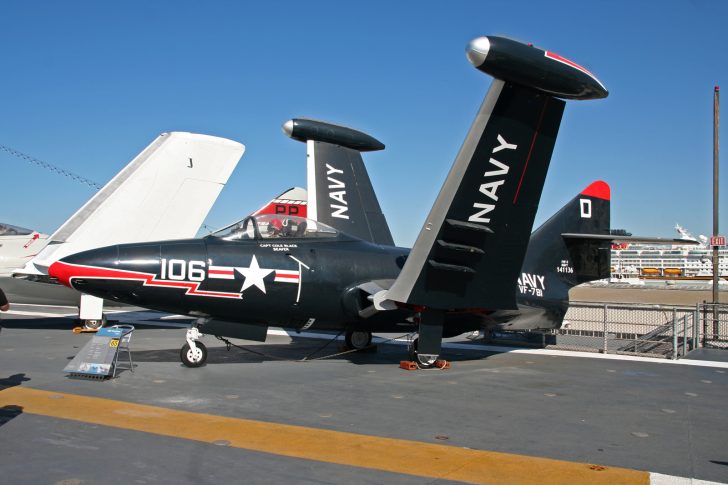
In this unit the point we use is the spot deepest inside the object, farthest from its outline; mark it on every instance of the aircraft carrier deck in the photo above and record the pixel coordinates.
(519, 416)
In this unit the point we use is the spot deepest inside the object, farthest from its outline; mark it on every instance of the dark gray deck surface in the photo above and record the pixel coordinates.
(664, 418)
(713, 355)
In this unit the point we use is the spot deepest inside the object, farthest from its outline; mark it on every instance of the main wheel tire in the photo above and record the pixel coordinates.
(358, 340)
(93, 324)
(193, 358)
(422, 362)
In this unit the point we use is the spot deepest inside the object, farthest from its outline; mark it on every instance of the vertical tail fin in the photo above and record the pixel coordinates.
(340, 193)
(292, 202)
(560, 253)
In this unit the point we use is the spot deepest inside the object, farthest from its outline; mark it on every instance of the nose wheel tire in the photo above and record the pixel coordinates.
(424, 361)
(193, 357)
(358, 340)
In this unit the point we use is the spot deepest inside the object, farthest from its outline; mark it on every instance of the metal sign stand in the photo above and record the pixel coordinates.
(99, 358)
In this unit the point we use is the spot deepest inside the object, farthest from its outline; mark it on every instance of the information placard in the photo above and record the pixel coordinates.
(97, 356)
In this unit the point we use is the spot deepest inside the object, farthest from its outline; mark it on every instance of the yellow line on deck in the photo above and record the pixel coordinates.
(373, 452)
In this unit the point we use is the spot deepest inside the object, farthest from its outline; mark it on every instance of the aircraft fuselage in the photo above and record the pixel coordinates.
(299, 283)
(293, 283)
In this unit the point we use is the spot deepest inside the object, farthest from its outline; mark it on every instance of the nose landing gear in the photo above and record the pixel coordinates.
(193, 352)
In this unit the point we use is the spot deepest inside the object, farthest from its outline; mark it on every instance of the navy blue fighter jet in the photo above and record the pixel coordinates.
(471, 267)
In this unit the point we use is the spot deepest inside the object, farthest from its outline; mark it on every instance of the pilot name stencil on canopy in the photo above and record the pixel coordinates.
(278, 246)
(338, 195)
(490, 188)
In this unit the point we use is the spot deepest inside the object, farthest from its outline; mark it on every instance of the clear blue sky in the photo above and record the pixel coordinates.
(86, 85)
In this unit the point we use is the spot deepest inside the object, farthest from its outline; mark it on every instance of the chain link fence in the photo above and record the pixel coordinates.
(638, 329)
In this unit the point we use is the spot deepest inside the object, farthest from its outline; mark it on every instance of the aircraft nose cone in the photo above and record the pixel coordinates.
(83, 264)
(61, 271)
(288, 128)
(478, 50)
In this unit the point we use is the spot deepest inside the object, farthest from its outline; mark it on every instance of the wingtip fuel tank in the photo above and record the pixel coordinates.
(529, 66)
(304, 129)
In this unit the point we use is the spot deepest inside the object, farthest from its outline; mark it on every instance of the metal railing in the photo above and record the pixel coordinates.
(713, 325)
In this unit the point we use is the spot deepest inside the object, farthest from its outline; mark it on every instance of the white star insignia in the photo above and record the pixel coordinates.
(254, 275)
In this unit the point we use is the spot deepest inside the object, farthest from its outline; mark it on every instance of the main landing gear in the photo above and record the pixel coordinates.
(425, 349)
(424, 361)
(357, 340)
(93, 324)
(194, 352)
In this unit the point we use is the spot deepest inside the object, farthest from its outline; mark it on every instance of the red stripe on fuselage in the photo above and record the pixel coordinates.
(66, 272)
(227, 272)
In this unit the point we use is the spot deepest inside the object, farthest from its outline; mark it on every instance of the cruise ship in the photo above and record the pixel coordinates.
(668, 261)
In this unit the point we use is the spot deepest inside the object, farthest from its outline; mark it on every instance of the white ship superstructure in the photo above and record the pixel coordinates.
(668, 261)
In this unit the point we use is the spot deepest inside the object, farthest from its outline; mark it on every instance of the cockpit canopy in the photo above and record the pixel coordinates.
(275, 226)
(10, 230)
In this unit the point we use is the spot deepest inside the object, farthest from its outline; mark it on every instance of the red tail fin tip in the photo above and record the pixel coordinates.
(598, 189)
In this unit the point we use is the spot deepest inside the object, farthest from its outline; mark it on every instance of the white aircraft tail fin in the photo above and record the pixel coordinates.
(18, 246)
(165, 192)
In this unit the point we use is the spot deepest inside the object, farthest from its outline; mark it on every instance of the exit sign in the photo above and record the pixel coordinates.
(717, 241)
